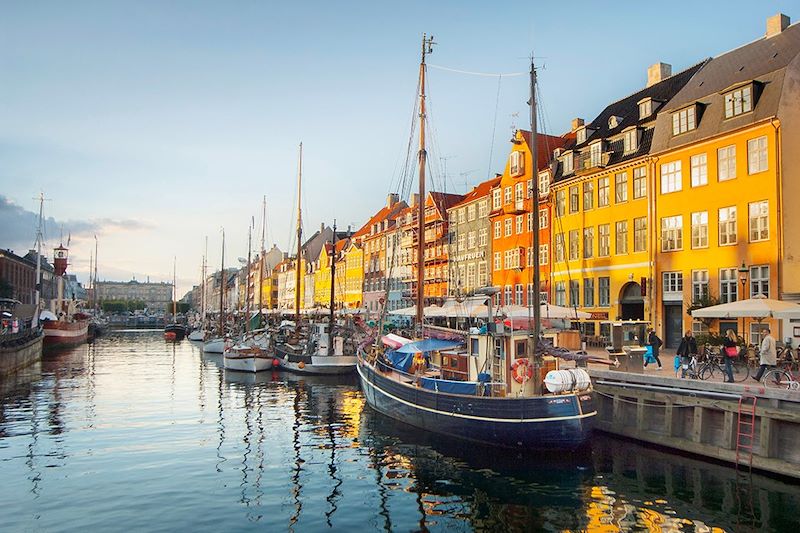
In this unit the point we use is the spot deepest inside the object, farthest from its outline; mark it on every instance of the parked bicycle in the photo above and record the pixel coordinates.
(779, 378)
(788, 359)
(714, 365)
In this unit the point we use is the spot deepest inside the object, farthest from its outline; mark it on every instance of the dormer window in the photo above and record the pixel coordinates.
(614, 121)
(739, 101)
(580, 136)
(568, 162)
(517, 163)
(557, 153)
(631, 140)
(645, 108)
(684, 120)
(595, 153)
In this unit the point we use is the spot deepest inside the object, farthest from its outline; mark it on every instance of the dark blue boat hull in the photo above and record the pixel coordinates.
(542, 422)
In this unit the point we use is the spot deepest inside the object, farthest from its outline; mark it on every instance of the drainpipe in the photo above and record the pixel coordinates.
(651, 245)
(779, 210)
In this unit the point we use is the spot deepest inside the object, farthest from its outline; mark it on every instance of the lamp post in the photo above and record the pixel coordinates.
(743, 270)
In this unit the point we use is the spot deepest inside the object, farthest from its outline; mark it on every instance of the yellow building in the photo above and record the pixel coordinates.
(353, 257)
(600, 251)
(723, 214)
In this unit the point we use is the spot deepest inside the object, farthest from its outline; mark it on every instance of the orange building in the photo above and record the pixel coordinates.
(511, 220)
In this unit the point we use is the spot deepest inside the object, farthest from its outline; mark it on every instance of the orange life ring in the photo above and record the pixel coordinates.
(525, 374)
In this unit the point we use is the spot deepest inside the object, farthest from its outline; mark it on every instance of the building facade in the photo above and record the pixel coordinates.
(154, 295)
(18, 274)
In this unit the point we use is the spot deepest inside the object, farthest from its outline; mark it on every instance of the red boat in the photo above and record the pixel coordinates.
(61, 333)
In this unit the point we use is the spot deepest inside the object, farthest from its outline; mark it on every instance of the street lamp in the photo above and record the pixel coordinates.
(743, 270)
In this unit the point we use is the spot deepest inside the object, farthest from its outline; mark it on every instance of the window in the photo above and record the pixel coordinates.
(561, 293)
(559, 247)
(461, 242)
(588, 242)
(645, 108)
(588, 195)
(530, 294)
(483, 209)
(759, 280)
(603, 240)
(699, 285)
(699, 170)
(518, 292)
(727, 226)
(671, 179)
(483, 237)
(507, 195)
(496, 203)
(621, 187)
(471, 212)
(509, 223)
(726, 163)
(759, 221)
(588, 292)
(739, 101)
(604, 292)
(671, 233)
(683, 120)
(471, 275)
(640, 234)
(544, 218)
(519, 195)
(517, 163)
(580, 136)
(639, 182)
(673, 282)
(602, 192)
(471, 240)
(507, 296)
(530, 222)
(483, 274)
(574, 245)
(700, 229)
(757, 155)
(595, 154)
(621, 237)
(629, 140)
(728, 288)
(512, 258)
(520, 223)
(544, 184)
(530, 256)
(529, 189)
(462, 216)
(498, 265)
(561, 202)
(574, 293)
(498, 229)
(573, 199)
(568, 163)
(544, 254)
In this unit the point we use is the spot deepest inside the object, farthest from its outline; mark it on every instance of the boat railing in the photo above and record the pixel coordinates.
(492, 387)
(9, 339)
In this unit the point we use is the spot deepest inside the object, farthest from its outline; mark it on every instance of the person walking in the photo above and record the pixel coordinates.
(768, 355)
(730, 350)
(686, 349)
(655, 343)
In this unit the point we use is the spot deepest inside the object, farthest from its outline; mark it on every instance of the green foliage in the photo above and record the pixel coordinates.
(121, 306)
(180, 307)
(706, 301)
(709, 338)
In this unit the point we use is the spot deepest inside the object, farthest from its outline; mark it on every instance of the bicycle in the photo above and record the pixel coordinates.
(690, 370)
(716, 363)
(787, 360)
(778, 378)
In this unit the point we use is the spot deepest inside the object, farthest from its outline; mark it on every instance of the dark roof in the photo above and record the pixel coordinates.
(479, 191)
(545, 144)
(764, 61)
(627, 109)
(445, 200)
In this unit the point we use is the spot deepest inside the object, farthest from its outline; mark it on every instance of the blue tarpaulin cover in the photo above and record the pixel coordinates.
(469, 388)
(400, 361)
(428, 345)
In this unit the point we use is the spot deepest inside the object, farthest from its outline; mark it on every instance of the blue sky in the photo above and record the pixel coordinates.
(153, 124)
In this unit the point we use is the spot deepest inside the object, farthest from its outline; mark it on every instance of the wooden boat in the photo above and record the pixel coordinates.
(245, 358)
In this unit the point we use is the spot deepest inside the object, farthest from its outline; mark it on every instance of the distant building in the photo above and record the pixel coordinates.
(19, 274)
(154, 295)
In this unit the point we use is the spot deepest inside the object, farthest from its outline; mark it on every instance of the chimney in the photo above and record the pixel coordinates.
(392, 199)
(321, 228)
(658, 72)
(414, 199)
(576, 123)
(776, 24)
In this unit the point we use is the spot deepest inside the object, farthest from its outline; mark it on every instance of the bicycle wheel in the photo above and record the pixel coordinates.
(740, 370)
(707, 372)
(777, 379)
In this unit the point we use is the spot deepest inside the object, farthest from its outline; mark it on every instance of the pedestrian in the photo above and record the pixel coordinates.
(686, 349)
(768, 355)
(730, 350)
(655, 343)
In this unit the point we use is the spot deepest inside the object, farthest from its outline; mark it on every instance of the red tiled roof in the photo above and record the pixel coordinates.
(545, 144)
(444, 200)
(479, 191)
(380, 216)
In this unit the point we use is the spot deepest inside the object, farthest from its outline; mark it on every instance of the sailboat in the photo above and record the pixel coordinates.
(174, 331)
(199, 333)
(325, 348)
(497, 396)
(217, 344)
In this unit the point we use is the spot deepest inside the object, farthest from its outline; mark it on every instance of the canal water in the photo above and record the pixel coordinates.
(134, 433)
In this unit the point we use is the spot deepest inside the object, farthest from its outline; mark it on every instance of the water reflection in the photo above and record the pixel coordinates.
(131, 425)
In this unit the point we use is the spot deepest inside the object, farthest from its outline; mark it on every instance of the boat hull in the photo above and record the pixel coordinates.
(63, 334)
(255, 363)
(214, 346)
(177, 331)
(196, 335)
(543, 422)
(316, 364)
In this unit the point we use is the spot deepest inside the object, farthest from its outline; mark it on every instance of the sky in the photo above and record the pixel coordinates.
(153, 125)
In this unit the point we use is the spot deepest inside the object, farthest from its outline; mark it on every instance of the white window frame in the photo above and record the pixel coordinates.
(471, 212)
(726, 163)
(757, 155)
(603, 191)
(640, 234)
(596, 153)
(588, 242)
(568, 163)
(604, 291)
(497, 198)
(561, 202)
(759, 280)
(483, 237)
(588, 292)
(517, 163)
(519, 195)
(699, 229)
(604, 240)
(483, 209)
(728, 285)
(530, 222)
(560, 247)
(671, 177)
(621, 237)
(672, 283)
(588, 195)
(639, 182)
(520, 224)
(620, 187)
(509, 227)
(574, 199)
(727, 225)
(699, 169)
(544, 184)
(498, 261)
(574, 245)
(739, 101)
(672, 233)
(684, 120)
(699, 285)
(561, 293)
(544, 218)
(758, 220)
(544, 254)
(630, 140)
(508, 195)
(498, 229)
(471, 240)
(574, 293)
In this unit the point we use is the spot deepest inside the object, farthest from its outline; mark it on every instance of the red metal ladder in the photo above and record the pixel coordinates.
(745, 430)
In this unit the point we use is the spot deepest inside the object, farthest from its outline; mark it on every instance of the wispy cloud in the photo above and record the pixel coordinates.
(18, 226)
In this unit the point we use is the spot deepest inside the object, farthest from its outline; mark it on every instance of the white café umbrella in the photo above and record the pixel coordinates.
(758, 307)
(547, 311)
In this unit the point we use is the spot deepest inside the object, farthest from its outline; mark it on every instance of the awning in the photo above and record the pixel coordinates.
(758, 307)
(428, 345)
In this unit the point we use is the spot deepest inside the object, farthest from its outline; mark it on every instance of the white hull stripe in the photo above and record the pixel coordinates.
(64, 333)
(472, 417)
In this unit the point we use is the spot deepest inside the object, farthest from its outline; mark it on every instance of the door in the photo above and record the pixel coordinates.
(673, 325)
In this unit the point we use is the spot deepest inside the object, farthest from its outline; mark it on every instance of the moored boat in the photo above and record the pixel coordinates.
(312, 355)
(64, 326)
(245, 358)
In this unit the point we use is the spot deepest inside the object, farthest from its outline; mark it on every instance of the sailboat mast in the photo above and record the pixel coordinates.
(299, 237)
(174, 291)
(261, 263)
(533, 336)
(333, 289)
(247, 297)
(203, 289)
(90, 274)
(427, 47)
(94, 282)
(223, 284)
(39, 238)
